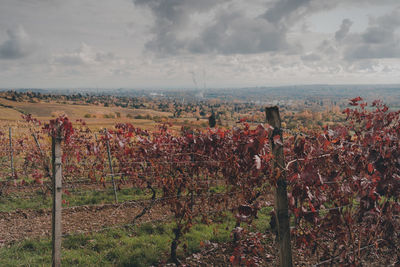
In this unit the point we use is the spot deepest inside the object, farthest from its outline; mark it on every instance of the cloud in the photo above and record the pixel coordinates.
(379, 40)
(177, 11)
(291, 12)
(234, 33)
(389, 21)
(328, 48)
(344, 30)
(171, 16)
(284, 8)
(238, 42)
(18, 45)
(377, 35)
(228, 31)
(84, 55)
(228, 28)
(370, 51)
(105, 56)
(311, 57)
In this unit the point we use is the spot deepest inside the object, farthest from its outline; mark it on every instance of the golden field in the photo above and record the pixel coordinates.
(95, 116)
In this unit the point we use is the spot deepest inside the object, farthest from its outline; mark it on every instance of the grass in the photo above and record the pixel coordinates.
(9, 114)
(143, 245)
(38, 200)
(46, 111)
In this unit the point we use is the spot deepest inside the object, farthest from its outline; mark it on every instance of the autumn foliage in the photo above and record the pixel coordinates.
(343, 181)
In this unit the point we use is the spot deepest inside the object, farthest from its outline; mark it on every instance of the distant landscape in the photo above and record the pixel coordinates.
(172, 133)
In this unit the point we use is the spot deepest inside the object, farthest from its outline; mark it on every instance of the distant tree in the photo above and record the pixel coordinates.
(139, 117)
(211, 120)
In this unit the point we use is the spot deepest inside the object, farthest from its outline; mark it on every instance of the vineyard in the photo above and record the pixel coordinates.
(342, 183)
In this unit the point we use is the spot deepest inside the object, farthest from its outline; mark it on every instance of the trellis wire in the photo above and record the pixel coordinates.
(332, 260)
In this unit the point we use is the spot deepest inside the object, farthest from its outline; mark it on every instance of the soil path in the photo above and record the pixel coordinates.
(22, 224)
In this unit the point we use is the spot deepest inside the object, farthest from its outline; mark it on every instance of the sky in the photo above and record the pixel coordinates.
(197, 43)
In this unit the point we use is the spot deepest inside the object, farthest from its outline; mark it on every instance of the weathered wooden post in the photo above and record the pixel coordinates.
(11, 153)
(281, 200)
(111, 167)
(57, 198)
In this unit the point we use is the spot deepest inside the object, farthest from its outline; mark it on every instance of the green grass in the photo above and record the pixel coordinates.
(9, 203)
(100, 197)
(262, 223)
(40, 201)
(142, 245)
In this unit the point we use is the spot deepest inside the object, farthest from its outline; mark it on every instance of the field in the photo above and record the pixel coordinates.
(140, 194)
(46, 111)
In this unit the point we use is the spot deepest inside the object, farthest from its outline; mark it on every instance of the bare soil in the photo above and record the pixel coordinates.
(23, 224)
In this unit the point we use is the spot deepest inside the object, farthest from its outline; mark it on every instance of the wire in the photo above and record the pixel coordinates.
(329, 209)
(167, 218)
(141, 201)
(331, 260)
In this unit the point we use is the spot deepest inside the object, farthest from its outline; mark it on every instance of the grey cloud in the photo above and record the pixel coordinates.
(281, 9)
(104, 57)
(72, 59)
(370, 51)
(377, 35)
(170, 17)
(234, 33)
(289, 12)
(365, 66)
(80, 56)
(84, 55)
(18, 45)
(176, 11)
(380, 39)
(344, 30)
(230, 31)
(325, 51)
(328, 48)
(311, 57)
(390, 21)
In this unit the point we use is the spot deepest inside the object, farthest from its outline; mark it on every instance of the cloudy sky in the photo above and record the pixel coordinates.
(197, 43)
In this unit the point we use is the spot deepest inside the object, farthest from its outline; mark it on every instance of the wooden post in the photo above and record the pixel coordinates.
(111, 167)
(11, 153)
(281, 201)
(57, 199)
